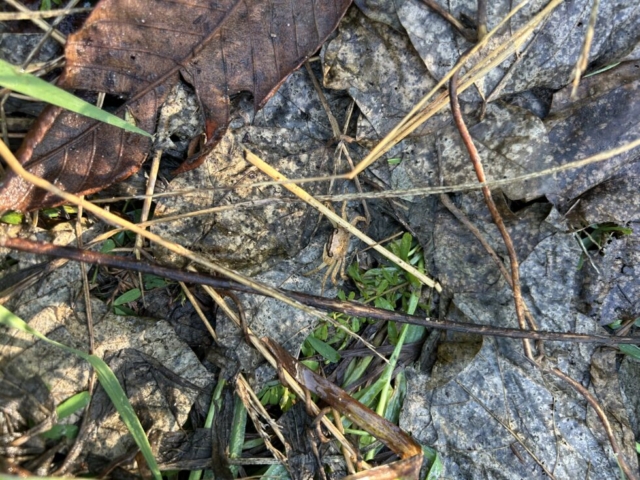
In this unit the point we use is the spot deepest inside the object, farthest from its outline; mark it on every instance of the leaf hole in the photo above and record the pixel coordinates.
(113, 102)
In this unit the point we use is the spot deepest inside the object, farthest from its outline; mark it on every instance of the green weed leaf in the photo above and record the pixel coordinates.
(12, 218)
(128, 296)
(73, 404)
(107, 246)
(324, 349)
(58, 431)
(153, 281)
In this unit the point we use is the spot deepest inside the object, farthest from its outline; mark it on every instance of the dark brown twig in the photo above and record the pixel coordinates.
(349, 308)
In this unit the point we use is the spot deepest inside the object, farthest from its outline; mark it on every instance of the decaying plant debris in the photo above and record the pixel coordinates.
(490, 407)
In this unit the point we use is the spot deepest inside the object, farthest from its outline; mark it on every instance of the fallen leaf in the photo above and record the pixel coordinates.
(495, 398)
(291, 133)
(379, 68)
(138, 54)
(601, 117)
(380, 11)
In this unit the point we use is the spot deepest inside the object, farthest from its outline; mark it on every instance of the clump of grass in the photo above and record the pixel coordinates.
(389, 287)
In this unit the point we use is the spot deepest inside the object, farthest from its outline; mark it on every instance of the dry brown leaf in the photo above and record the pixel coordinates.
(137, 52)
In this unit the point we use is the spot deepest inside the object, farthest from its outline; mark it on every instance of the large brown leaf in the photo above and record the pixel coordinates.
(138, 50)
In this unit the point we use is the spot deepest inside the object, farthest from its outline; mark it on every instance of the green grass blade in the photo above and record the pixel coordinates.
(108, 381)
(73, 404)
(213, 407)
(238, 430)
(394, 406)
(436, 470)
(383, 384)
(27, 84)
(631, 350)
(276, 472)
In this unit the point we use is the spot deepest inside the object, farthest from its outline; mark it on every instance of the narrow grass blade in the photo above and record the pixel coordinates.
(213, 407)
(276, 472)
(108, 381)
(27, 84)
(433, 457)
(128, 296)
(73, 404)
(238, 428)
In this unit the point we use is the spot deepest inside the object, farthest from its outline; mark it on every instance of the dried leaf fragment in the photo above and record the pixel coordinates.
(137, 52)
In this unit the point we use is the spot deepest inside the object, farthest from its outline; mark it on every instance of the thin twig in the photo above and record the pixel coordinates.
(196, 307)
(59, 37)
(31, 14)
(79, 442)
(344, 150)
(85, 284)
(335, 128)
(418, 191)
(86, 424)
(338, 135)
(349, 308)
(624, 466)
(144, 214)
(146, 206)
(497, 218)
